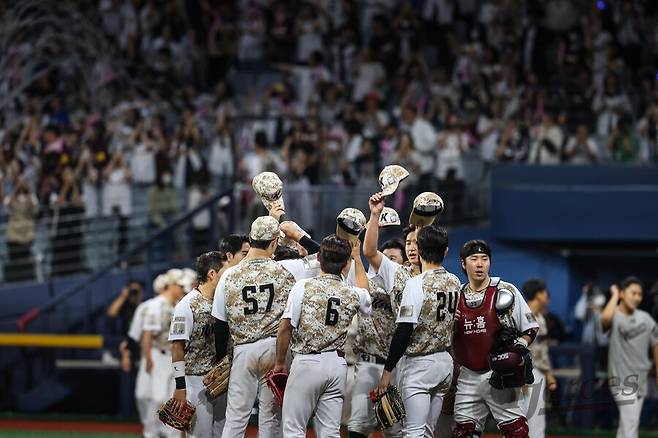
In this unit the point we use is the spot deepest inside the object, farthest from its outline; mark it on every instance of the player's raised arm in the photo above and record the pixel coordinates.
(609, 310)
(360, 276)
(374, 257)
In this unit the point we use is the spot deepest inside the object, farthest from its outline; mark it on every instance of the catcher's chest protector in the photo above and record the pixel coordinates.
(475, 331)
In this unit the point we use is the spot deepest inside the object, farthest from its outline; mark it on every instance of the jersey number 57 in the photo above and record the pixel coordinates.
(248, 293)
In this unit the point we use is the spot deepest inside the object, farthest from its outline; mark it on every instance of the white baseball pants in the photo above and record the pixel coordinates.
(366, 378)
(475, 398)
(316, 384)
(144, 403)
(630, 408)
(535, 405)
(210, 415)
(423, 382)
(162, 388)
(251, 362)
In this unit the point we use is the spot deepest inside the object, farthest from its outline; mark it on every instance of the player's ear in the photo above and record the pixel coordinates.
(445, 253)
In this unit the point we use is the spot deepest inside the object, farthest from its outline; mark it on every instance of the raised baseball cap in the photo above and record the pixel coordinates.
(389, 217)
(264, 228)
(269, 187)
(349, 224)
(390, 177)
(176, 276)
(427, 206)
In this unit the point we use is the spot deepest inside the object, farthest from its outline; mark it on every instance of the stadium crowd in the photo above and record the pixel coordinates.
(322, 92)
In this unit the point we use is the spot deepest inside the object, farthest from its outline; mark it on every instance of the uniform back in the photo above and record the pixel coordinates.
(431, 300)
(327, 309)
(255, 295)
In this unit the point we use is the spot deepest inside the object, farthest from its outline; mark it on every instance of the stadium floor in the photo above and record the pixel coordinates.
(25, 428)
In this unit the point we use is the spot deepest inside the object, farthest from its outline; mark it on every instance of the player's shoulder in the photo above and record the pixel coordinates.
(502, 284)
(644, 316)
(186, 301)
(233, 270)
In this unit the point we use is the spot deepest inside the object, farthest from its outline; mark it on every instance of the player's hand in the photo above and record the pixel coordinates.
(125, 362)
(551, 382)
(149, 364)
(384, 382)
(614, 290)
(277, 211)
(180, 395)
(125, 292)
(280, 368)
(291, 230)
(376, 204)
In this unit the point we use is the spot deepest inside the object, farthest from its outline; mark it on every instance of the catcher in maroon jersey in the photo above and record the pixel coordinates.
(493, 328)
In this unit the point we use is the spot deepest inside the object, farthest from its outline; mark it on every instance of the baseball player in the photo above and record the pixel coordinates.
(632, 333)
(132, 347)
(423, 334)
(249, 301)
(155, 344)
(233, 249)
(373, 338)
(486, 309)
(536, 294)
(320, 311)
(192, 338)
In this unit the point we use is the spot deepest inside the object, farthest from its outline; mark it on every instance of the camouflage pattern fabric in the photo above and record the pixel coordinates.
(200, 349)
(401, 277)
(375, 331)
(390, 177)
(264, 228)
(256, 292)
(434, 330)
(328, 307)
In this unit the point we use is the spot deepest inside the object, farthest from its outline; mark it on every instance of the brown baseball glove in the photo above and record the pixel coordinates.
(216, 381)
(179, 416)
(388, 407)
(277, 383)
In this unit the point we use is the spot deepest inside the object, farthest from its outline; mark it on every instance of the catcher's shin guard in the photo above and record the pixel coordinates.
(517, 428)
(465, 430)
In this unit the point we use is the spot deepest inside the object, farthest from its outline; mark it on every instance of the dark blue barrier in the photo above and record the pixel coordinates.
(573, 203)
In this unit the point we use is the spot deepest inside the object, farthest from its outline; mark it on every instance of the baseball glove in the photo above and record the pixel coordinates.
(177, 417)
(216, 381)
(388, 407)
(277, 383)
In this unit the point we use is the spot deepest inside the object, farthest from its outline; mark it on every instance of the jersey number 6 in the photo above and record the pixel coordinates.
(253, 302)
(442, 301)
(331, 317)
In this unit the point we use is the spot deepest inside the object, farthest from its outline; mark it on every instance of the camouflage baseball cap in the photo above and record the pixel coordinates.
(175, 276)
(159, 283)
(389, 217)
(349, 224)
(390, 178)
(427, 206)
(264, 228)
(189, 278)
(269, 187)
(287, 241)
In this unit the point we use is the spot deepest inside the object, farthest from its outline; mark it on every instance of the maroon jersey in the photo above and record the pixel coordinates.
(475, 331)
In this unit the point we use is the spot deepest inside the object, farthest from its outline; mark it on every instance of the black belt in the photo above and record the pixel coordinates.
(372, 359)
(339, 353)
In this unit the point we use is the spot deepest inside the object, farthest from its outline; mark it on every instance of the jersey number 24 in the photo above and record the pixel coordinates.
(444, 300)
(248, 293)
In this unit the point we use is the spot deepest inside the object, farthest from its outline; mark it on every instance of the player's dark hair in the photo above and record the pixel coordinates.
(532, 287)
(334, 254)
(232, 243)
(134, 280)
(629, 281)
(205, 262)
(432, 243)
(474, 247)
(406, 230)
(260, 244)
(285, 253)
(395, 244)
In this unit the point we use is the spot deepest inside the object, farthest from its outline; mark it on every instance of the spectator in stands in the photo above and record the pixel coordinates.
(610, 104)
(68, 213)
(633, 332)
(546, 141)
(22, 206)
(623, 142)
(648, 131)
(581, 149)
(124, 305)
(200, 226)
(221, 162)
(424, 139)
(117, 196)
(514, 142)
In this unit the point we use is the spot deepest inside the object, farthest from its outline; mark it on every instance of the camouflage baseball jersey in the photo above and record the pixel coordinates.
(375, 331)
(404, 274)
(539, 347)
(429, 302)
(158, 320)
(194, 324)
(325, 306)
(252, 297)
